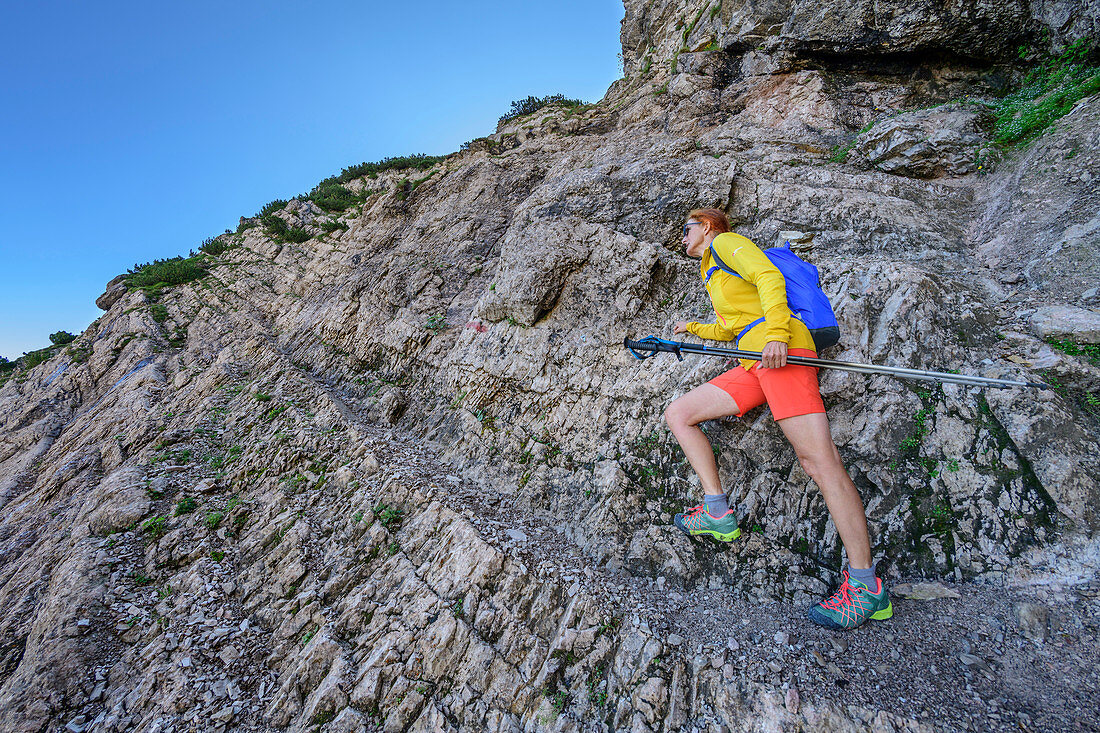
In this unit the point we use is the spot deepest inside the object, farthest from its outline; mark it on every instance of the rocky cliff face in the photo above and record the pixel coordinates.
(404, 476)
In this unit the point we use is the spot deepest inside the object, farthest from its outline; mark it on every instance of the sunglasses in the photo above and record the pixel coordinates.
(689, 225)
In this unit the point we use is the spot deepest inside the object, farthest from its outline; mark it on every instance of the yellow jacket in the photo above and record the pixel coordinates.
(738, 301)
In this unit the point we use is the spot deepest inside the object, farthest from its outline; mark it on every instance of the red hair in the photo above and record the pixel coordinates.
(716, 219)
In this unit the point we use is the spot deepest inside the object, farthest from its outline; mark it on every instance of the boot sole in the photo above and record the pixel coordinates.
(727, 537)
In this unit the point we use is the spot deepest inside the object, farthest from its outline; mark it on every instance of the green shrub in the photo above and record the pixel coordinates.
(214, 246)
(274, 225)
(418, 161)
(61, 338)
(155, 526)
(272, 206)
(186, 505)
(436, 323)
(332, 226)
(1048, 93)
(160, 312)
(79, 354)
(213, 519)
(387, 515)
(33, 358)
(528, 105)
(331, 196)
(296, 235)
(174, 271)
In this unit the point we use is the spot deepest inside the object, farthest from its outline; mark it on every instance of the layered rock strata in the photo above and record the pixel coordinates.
(403, 475)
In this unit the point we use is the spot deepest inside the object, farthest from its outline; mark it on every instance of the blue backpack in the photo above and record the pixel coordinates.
(805, 298)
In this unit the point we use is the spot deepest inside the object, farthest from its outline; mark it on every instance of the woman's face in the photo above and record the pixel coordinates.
(695, 237)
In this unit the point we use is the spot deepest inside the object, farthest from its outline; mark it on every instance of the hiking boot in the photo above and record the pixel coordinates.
(697, 521)
(852, 604)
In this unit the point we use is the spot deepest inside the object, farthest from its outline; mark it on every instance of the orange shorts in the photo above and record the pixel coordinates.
(790, 391)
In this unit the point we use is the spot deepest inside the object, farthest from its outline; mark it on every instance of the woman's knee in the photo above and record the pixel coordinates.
(818, 464)
(678, 415)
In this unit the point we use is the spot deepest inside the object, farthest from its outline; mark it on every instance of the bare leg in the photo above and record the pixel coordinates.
(705, 402)
(813, 443)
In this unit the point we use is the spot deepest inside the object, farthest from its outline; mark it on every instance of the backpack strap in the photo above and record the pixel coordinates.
(746, 329)
(720, 265)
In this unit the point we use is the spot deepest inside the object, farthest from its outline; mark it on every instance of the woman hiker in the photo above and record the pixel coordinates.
(795, 400)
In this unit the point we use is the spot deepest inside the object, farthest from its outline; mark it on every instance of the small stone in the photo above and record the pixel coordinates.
(185, 662)
(517, 535)
(782, 638)
(775, 666)
(77, 725)
(1032, 618)
(972, 661)
(819, 658)
(839, 645)
(675, 640)
(732, 644)
(224, 715)
(792, 700)
(923, 591)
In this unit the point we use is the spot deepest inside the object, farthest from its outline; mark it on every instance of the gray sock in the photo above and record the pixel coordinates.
(717, 504)
(865, 576)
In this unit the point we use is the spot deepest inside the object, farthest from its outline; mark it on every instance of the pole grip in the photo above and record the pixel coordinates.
(653, 346)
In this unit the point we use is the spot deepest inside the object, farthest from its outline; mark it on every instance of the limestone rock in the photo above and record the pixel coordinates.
(116, 289)
(1032, 619)
(1067, 322)
(924, 144)
(123, 502)
(923, 591)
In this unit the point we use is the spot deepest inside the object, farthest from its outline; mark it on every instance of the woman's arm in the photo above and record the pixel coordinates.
(712, 331)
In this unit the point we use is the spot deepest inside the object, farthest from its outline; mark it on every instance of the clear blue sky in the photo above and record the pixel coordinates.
(132, 131)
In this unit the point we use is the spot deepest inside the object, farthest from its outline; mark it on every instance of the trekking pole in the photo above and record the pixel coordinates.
(654, 345)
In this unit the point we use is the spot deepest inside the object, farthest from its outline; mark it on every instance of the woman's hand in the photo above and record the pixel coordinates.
(774, 355)
(681, 327)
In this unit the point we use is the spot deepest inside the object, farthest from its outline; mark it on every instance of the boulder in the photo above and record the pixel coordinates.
(1067, 322)
(115, 290)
